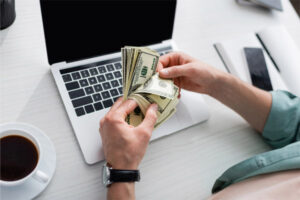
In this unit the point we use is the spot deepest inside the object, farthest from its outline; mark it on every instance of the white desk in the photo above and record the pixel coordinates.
(181, 166)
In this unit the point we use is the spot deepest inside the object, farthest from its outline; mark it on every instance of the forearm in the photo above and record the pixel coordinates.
(121, 191)
(251, 103)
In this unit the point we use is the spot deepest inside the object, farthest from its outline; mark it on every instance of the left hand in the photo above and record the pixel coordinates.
(124, 145)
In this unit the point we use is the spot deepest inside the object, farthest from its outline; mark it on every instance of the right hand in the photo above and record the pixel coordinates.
(189, 73)
(124, 146)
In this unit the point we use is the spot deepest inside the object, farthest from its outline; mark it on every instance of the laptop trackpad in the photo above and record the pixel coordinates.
(191, 110)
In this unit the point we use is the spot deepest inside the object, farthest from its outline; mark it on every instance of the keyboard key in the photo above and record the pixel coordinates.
(97, 97)
(76, 75)
(98, 106)
(82, 101)
(109, 76)
(120, 90)
(67, 78)
(114, 83)
(89, 90)
(166, 52)
(92, 80)
(118, 65)
(72, 85)
(83, 83)
(110, 67)
(106, 85)
(105, 94)
(76, 93)
(79, 111)
(120, 81)
(89, 108)
(101, 78)
(98, 88)
(114, 92)
(102, 69)
(161, 54)
(117, 74)
(93, 71)
(85, 73)
(107, 103)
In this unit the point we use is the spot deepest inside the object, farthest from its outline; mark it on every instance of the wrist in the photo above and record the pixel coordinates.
(222, 83)
(127, 165)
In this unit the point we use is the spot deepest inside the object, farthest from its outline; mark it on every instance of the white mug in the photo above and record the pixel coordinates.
(37, 174)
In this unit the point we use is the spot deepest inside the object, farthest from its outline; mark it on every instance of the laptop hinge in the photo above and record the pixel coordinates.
(60, 63)
(167, 41)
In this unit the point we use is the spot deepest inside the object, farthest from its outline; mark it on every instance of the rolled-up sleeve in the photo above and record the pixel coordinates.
(282, 126)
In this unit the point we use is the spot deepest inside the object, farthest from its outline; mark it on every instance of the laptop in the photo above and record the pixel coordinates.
(83, 41)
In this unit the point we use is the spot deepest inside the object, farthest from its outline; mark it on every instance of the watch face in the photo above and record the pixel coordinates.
(105, 175)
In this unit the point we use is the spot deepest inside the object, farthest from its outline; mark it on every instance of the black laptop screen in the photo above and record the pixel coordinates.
(78, 29)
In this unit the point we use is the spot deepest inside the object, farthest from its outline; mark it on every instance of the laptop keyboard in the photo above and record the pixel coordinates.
(95, 86)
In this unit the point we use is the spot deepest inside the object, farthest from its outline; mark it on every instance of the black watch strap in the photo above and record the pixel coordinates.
(124, 175)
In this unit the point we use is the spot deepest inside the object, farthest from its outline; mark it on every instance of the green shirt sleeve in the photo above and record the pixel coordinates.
(282, 126)
(281, 129)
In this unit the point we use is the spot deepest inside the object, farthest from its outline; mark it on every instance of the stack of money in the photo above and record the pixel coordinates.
(142, 84)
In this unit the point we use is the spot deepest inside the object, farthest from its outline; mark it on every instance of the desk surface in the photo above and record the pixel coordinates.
(181, 166)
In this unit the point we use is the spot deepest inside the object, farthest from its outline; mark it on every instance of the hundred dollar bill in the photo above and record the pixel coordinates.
(142, 84)
(166, 107)
(158, 86)
(145, 67)
(139, 64)
(135, 117)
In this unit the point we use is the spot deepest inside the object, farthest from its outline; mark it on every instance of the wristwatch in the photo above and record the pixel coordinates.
(110, 175)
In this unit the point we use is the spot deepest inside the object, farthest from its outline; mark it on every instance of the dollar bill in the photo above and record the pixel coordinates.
(139, 64)
(142, 84)
(135, 118)
(158, 86)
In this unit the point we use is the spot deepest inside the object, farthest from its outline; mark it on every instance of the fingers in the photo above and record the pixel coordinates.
(174, 58)
(170, 59)
(125, 108)
(175, 71)
(150, 119)
(159, 67)
(116, 104)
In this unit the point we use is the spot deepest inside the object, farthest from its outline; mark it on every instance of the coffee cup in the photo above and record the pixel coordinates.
(21, 155)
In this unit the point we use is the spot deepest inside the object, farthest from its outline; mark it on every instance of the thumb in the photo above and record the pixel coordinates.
(174, 71)
(150, 118)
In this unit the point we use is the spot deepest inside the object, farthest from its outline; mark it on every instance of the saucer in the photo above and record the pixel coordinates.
(31, 187)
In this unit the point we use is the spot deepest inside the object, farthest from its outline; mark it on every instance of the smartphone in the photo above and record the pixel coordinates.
(258, 68)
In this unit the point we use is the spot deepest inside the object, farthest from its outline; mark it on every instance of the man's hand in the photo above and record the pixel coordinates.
(251, 103)
(124, 145)
(188, 73)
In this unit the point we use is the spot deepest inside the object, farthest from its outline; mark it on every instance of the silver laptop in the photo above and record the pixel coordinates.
(83, 40)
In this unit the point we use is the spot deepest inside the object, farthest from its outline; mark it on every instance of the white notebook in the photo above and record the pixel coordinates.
(281, 52)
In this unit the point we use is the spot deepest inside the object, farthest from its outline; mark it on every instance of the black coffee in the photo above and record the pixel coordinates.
(19, 157)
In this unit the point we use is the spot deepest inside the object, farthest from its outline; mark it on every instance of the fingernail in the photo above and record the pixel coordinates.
(164, 71)
(155, 107)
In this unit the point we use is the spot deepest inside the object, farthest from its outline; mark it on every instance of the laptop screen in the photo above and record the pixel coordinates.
(79, 29)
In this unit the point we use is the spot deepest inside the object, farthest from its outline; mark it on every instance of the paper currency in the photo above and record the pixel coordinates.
(142, 84)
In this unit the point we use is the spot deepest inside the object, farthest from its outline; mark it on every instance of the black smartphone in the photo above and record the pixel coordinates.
(258, 68)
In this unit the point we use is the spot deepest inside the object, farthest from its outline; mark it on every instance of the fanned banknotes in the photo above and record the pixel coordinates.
(142, 84)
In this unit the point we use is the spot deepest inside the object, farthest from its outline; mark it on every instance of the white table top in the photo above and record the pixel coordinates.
(181, 166)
